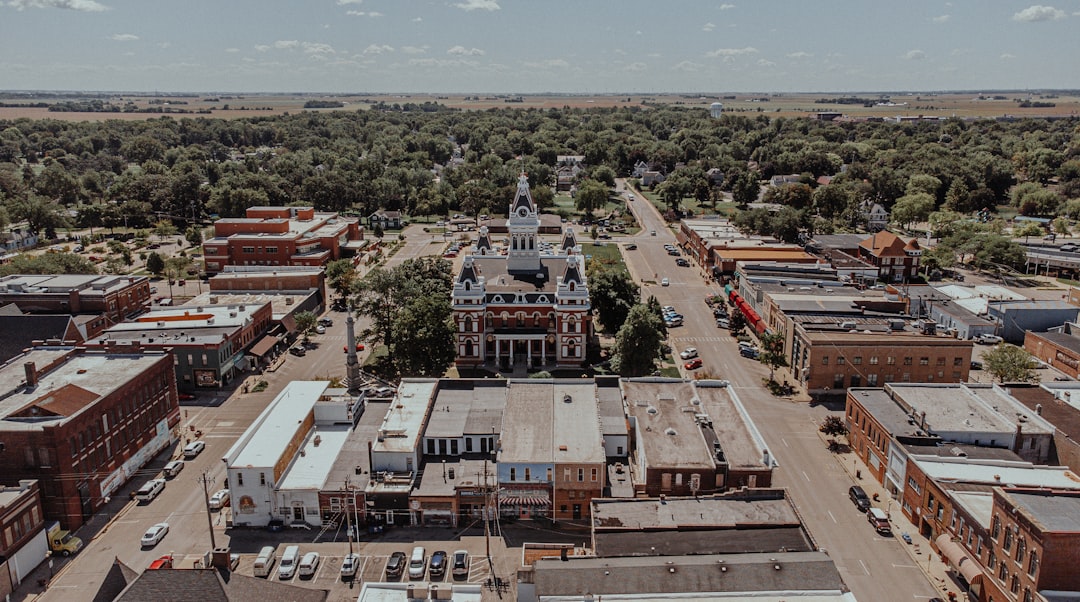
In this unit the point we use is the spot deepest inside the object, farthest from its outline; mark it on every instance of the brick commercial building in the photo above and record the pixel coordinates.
(83, 422)
(897, 260)
(281, 236)
(23, 542)
(830, 357)
(117, 297)
(208, 342)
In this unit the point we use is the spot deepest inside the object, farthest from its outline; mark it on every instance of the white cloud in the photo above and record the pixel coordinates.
(1038, 12)
(1007, 56)
(415, 49)
(635, 67)
(89, 6)
(638, 32)
(462, 51)
(232, 50)
(799, 55)
(344, 2)
(374, 15)
(355, 13)
(470, 5)
(727, 6)
(941, 19)
(418, 20)
(262, 47)
(765, 63)
(731, 52)
(687, 67)
(317, 48)
(548, 64)
(708, 27)
(914, 55)
(377, 49)
(286, 44)
(164, 44)
(123, 37)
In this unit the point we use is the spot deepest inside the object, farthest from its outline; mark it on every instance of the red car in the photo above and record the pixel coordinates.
(692, 364)
(359, 347)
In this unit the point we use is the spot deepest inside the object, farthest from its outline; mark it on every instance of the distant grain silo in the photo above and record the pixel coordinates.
(716, 109)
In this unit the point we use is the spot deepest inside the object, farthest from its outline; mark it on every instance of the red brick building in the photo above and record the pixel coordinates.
(23, 543)
(83, 422)
(897, 260)
(281, 236)
(116, 297)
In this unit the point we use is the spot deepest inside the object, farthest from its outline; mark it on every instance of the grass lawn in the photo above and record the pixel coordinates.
(607, 254)
(692, 207)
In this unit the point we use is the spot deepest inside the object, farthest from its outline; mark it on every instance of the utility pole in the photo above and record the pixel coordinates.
(206, 481)
(349, 501)
(487, 529)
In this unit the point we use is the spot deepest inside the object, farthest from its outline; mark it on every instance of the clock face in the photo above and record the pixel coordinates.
(522, 212)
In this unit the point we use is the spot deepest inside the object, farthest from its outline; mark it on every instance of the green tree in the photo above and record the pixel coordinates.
(612, 293)
(590, 196)
(194, 236)
(737, 322)
(340, 274)
(424, 323)
(638, 342)
(1027, 230)
(164, 228)
(1061, 226)
(912, 208)
(772, 352)
(155, 264)
(923, 184)
(305, 323)
(1010, 363)
(377, 231)
(745, 189)
(176, 267)
(48, 263)
(833, 426)
(958, 197)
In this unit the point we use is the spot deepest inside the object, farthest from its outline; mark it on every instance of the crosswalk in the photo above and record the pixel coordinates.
(704, 339)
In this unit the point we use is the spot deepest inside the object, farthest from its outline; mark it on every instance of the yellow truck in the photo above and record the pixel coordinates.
(63, 542)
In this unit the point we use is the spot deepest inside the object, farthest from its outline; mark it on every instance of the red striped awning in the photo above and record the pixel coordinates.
(525, 501)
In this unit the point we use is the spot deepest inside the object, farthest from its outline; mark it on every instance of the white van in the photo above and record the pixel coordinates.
(265, 562)
(150, 490)
(417, 563)
(287, 567)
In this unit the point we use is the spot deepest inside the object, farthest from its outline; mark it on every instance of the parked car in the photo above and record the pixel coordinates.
(693, 364)
(665, 282)
(461, 565)
(976, 365)
(150, 490)
(437, 566)
(989, 339)
(673, 321)
(688, 353)
(349, 565)
(193, 449)
(749, 352)
(154, 535)
(309, 564)
(173, 468)
(298, 351)
(859, 498)
(395, 565)
(326, 322)
(631, 247)
(723, 323)
(877, 518)
(220, 499)
(276, 525)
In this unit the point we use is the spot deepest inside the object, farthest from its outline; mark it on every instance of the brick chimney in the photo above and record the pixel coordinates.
(31, 374)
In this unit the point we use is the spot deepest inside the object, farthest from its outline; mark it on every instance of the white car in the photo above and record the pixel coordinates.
(308, 564)
(688, 353)
(154, 535)
(350, 565)
(665, 282)
(320, 329)
(220, 499)
(990, 339)
(193, 449)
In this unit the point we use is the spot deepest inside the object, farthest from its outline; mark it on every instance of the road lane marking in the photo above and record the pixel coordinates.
(784, 441)
(864, 567)
(829, 512)
(904, 566)
(805, 475)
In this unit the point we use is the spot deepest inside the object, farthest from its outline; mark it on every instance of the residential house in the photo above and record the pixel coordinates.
(385, 220)
(897, 260)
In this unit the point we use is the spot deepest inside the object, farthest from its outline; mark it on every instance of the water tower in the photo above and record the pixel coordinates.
(715, 109)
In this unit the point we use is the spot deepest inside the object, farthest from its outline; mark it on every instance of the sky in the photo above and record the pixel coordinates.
(536, 46)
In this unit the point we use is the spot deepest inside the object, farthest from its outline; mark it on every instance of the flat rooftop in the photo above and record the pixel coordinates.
(978, 504)
(576, 435)
(373, 591)
(1013, 474)
(1051, 512)
(64, 283)
(666, 424)
(467, 407)
(769, 509)
(742, 443)
(71, 382)
(281, 303)
(401, 427)
(529, 415)
(189, 317)
(1053, 401)
(262, 443)
(444, 478)
(965, 407)
(311, 466)
(693, 577)
(609, 404)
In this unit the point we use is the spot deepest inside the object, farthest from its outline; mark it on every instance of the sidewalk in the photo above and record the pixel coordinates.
(937, 572)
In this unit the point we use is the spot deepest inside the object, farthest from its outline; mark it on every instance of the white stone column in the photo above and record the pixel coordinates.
(511, 341)
(543, 350)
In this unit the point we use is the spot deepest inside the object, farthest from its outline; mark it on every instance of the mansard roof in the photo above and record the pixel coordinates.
(523, 198)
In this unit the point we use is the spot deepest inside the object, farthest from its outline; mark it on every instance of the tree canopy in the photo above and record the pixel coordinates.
(1010, 363)
(638, 342)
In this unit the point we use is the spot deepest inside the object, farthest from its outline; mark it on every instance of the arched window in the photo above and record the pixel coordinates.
(468, 349)
(571, 286)
(572, 349)
(505, 319)
(468, 285)
(468, 326)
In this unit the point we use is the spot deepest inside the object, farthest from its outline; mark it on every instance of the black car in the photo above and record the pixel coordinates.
(859, 498)
(326, 322)
(395, 566)
(682, 263)
(275, 525)
(747, 352)
(437, 568)
(976, 365)
(298, 351)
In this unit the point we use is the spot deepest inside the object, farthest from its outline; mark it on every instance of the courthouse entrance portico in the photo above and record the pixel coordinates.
(526, 350)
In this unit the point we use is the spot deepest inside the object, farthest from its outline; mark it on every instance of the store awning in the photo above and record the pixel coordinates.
(525, 501)
(263, 345)
(959, 559)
